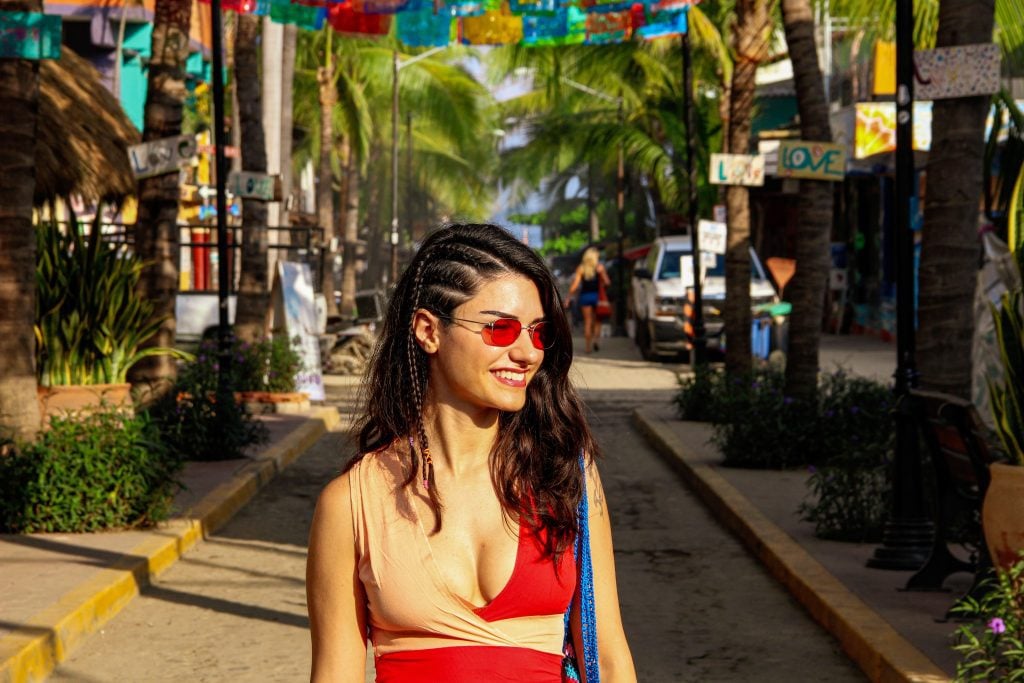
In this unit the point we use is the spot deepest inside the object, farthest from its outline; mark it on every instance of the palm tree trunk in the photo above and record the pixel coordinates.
(156, 233)
(253, 289)
(19, 98)
(325, 186)
(949, 240)
(814, 228)
(348, 265)
(752, 32)
(287, 119)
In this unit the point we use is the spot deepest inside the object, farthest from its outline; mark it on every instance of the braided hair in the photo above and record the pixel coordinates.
(534, 463)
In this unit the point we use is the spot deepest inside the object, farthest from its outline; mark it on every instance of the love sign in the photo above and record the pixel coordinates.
(814, 160)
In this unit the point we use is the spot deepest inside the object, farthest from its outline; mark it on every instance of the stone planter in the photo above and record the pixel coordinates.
(262, 402)
(1003, 514)
(73, 398)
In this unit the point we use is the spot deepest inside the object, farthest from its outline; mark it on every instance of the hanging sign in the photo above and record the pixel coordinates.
(712, 236)
(29, 35)
(962, 71)
(254, 186)
(737, 169)
(166, 155)
(814, 160)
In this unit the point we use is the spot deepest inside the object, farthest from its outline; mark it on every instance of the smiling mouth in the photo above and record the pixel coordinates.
(512, 379)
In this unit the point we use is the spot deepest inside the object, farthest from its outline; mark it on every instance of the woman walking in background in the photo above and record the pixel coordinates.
(590, 280)
(469, 538)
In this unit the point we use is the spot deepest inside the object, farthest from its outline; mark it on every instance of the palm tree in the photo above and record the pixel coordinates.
(949, 245)
(253, 286)
(451, 132)
(949, 238)
(815, 206)
(751, 35)
(156, 237)
(19, 96)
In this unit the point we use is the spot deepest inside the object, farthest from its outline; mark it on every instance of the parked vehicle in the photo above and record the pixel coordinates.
(659, 297)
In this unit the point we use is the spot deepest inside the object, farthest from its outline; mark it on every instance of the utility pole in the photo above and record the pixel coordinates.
(219, 143)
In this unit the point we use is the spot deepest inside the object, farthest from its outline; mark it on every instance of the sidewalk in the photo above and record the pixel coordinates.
(56, 589)
(892, 635)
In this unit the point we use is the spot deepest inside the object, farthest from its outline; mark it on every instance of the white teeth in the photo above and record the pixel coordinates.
(515, 376)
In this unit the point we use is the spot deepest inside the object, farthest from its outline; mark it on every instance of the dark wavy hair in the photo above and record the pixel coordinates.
(534, 464)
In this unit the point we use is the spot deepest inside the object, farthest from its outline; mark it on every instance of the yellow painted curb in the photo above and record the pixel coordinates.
(31, 652)
(878, 649)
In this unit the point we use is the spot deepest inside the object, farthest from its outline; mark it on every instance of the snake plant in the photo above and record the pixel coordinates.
(1008, 397)
(90, 320)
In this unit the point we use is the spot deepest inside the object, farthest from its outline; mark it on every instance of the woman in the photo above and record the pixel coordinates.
(590, 279)
(449, 537)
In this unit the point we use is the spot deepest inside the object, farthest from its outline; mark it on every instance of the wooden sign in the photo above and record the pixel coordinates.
(166, 155)
(29, 35)
(712, 236)
(254, 186)
(737, 169)
(814, 160)
(962, 71)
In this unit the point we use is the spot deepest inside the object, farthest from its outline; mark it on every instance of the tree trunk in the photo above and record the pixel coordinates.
(156, 234)
(814, 228)
(19, 100)
(348, 265)
(325, 183)
(752, 31)
(287, 121)
(253, 289)
(592, 219)
(949, 244)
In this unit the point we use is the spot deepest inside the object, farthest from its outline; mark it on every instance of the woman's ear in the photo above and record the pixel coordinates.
(426, 330)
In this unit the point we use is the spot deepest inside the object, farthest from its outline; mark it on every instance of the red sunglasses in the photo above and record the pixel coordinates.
(505, 331)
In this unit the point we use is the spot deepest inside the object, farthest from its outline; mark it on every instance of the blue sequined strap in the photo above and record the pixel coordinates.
(584, 568)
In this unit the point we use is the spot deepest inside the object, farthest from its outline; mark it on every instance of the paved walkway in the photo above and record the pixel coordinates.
(57, 589)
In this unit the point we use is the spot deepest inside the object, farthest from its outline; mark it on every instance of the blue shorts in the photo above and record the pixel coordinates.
(588, 299)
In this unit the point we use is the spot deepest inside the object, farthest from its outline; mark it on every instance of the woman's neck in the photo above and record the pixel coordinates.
(460, 442)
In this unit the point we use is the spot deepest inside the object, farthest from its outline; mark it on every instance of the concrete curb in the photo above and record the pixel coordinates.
(878, 649)
(35, 649)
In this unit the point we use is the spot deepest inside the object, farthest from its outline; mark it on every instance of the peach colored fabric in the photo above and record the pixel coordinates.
(410, 606)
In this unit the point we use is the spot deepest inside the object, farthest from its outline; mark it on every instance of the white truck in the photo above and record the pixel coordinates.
(659, 294)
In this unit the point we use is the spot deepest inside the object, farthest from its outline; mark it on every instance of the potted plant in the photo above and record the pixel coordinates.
(90, 321)
(1003, 509)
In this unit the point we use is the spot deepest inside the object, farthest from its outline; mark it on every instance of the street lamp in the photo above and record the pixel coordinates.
(908, 534)
(699, 338)
(397, 66)
(620, 203)
(219, 141)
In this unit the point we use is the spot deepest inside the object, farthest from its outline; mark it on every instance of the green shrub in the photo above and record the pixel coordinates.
(850, 499)
(269, 364)
(845, 433)
(195, 425)
(97, 470)
(991, 647)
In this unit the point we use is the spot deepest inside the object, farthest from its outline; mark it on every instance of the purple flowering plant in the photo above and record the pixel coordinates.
(991, 642)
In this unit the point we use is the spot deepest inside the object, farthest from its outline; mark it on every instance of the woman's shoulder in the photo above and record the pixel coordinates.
(383, 466)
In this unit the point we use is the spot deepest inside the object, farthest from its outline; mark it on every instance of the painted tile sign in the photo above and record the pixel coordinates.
(737, 169)
(814, 160)
(165, 155)
(29, 35)
(963, 71)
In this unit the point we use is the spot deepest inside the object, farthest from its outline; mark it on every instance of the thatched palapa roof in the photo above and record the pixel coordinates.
(83, 134)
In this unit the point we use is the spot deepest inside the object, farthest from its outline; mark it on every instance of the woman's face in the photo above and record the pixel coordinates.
(468, 373)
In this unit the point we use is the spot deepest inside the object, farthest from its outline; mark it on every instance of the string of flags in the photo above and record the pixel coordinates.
(438, 23)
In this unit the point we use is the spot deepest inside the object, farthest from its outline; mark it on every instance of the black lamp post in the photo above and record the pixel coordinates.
(699, 338)
(907, 536)
(220, 167)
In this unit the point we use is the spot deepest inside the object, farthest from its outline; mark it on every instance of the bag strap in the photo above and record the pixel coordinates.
(585, 578)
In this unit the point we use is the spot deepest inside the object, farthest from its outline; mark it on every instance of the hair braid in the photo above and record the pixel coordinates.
(418, 392)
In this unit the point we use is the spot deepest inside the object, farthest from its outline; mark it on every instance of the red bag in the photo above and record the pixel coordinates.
(603, 310)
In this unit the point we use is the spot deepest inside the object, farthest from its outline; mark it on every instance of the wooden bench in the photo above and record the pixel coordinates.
(959, 445)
